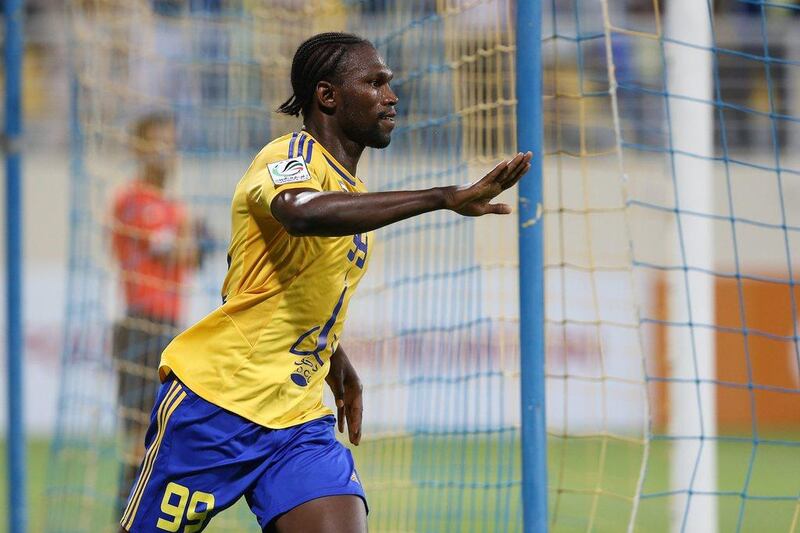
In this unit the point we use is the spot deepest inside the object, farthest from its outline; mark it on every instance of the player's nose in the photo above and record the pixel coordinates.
(389, 97)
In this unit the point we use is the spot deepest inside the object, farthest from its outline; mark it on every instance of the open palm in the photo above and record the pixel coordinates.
(475, 200)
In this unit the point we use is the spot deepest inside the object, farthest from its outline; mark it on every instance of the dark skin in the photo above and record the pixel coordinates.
(346, 116)
(346, 388)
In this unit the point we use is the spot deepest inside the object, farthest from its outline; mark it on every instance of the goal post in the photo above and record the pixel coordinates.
(688, 47)
(14, 255)
(531, 273)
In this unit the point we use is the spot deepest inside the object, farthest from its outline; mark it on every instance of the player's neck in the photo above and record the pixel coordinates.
(345, 151)
(153, 179)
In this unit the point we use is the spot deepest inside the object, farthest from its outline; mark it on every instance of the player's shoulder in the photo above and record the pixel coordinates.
(127, 189)
(128, 194)
(299, 146)
(291, 158)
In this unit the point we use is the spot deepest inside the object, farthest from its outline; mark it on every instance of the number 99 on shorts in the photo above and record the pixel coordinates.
(177, 503)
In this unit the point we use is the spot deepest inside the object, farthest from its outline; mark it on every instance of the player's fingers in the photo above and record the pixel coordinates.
(495, 172)
(354, 413)
(514, 163)
(335, 382)
(510, 170)
(354, 425)
(524, 170)
(525, 165)
(518, 170)
(498, 209)
(512, 179)
(340, 409)
(499, 174)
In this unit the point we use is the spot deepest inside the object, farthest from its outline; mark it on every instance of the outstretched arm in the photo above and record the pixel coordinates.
(306, 212)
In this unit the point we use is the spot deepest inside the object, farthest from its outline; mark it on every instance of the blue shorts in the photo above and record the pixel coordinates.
(201, 459)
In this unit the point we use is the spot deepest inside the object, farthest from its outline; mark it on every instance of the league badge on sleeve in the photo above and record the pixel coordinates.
(288, 171)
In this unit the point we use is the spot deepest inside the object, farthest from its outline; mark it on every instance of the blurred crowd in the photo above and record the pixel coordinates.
(47, 79)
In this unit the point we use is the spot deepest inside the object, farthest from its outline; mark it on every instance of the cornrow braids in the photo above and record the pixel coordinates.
(316, 59)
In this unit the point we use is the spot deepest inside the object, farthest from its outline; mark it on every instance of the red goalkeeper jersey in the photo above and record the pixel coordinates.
(145, 229)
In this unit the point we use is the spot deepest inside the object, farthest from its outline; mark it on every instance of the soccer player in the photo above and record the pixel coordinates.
(153, 244)
(240, 410)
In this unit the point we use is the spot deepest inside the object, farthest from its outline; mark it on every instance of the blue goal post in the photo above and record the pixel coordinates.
(531, 271)
(14, 334)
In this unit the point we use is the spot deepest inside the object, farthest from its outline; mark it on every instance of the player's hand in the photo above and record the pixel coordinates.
(474, 200)
(347, 391)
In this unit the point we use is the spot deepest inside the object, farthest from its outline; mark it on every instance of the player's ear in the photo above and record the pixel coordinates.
(326, 96)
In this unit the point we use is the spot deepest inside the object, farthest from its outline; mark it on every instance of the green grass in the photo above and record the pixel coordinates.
(36, 478)
(432, 484)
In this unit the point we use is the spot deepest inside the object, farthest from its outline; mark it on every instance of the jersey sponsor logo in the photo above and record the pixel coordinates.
(288, 171)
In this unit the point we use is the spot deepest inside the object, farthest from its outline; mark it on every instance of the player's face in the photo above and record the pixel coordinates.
(367, 104)
(157, 150)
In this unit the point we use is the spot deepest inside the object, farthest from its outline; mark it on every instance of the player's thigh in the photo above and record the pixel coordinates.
(313, 467)
(137, 352)
(191, 469)
(331, 514)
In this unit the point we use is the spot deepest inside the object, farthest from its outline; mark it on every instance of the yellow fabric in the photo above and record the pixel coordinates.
(264, 353)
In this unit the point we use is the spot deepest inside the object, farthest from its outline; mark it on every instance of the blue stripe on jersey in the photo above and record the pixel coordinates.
(291, 145)
(301, 144)
(342, 174)
(308, 152)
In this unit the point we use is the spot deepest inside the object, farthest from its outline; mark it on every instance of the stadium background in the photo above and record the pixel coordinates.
(47, 223)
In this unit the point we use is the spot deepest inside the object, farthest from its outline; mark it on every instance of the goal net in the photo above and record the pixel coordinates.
(672, 377)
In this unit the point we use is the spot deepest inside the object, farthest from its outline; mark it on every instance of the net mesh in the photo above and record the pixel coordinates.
(671, 295)
(432, 328)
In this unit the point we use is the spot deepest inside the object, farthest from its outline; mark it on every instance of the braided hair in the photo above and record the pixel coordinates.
(316, 59)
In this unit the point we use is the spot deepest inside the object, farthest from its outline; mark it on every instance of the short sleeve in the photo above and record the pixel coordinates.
(180, 215)
(275, 176)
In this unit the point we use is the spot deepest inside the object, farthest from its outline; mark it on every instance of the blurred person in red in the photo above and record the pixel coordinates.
(155, 245)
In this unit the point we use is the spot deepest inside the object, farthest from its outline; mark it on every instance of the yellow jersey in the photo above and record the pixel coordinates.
(264, 353)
